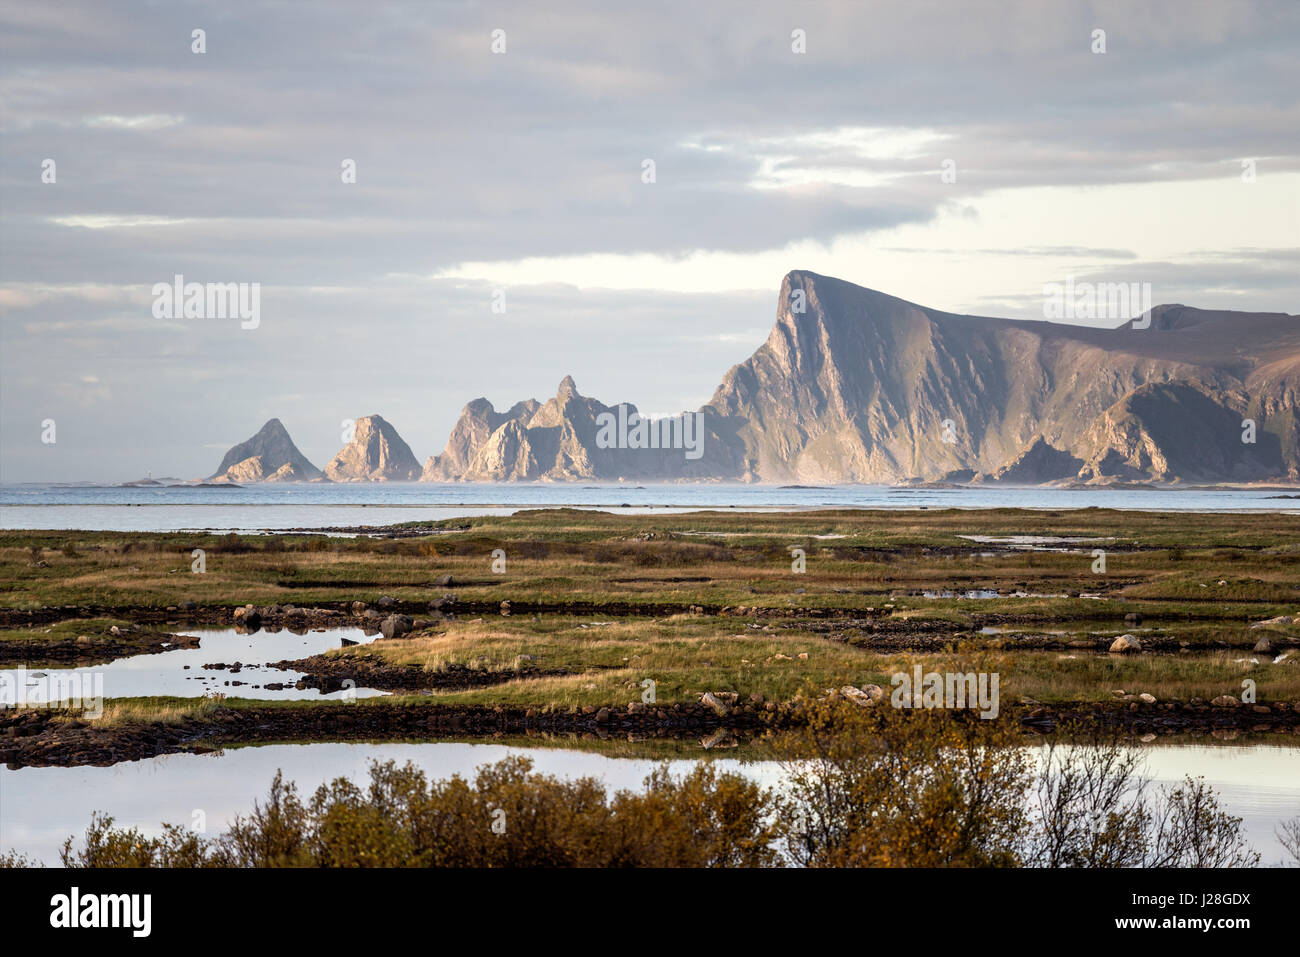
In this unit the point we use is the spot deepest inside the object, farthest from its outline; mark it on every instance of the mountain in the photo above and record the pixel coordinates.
(865, 387)
(375, 454)
(853, 385)
(570, 437)
(269, 456)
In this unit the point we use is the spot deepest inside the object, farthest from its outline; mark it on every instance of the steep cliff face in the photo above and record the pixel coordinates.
(856, 386)
(375, 454)
(853, 385)
(269, 456)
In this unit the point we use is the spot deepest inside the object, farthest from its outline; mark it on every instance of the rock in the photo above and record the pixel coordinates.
(1132, 618)
(1147, 698)
(857, 696)
(443, 604)
(1263, 647)
(269, 456)
(1224, 701)
(1125, 644)
(505, 608)
(358, 608)
(711, 700)
(83, 639)
(874, 692)
(375, 454)
(395, 626)
(115, 630)
(444, 581)
(188, 605)
(1277, 622)
(386, 602)
(602, 716)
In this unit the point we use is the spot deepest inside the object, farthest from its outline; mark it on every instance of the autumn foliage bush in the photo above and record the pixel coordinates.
(873, 787)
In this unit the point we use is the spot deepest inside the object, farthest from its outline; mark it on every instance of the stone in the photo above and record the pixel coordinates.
(1224, 701)
(874, 692)
(395, 626)
(1147, 698)
(711, 700)
(1276, 622)
(444, 581)
(1125, 644)
(857, 696)
(1263, 647)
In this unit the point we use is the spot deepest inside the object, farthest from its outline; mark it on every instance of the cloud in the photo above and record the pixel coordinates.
(477, 170)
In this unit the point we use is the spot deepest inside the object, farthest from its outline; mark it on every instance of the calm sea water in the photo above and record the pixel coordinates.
(270, 507)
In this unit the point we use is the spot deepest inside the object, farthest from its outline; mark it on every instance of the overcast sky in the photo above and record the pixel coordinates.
(522, 172)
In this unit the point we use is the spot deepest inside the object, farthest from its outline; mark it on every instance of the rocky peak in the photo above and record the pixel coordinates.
(375, 454)
(273, 449)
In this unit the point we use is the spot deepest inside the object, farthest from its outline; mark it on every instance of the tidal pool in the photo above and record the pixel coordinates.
(181, 671)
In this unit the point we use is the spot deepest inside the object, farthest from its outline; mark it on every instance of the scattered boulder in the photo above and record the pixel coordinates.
(395, 626)
(711, 700)
(1132, 618)
(358, 608)
(505, 608)
(249, 617)
(444, 581)
(1263, 647)
(386, 602)
(1125, 644)
(1224, 701)
(1147, 698)
(857, 696)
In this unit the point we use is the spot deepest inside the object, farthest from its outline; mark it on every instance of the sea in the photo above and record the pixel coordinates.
(271, 508)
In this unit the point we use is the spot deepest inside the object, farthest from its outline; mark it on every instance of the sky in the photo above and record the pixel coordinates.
(501, 231)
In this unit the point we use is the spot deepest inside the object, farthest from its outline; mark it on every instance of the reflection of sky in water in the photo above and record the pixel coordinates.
(165, 674)
(39, 807)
